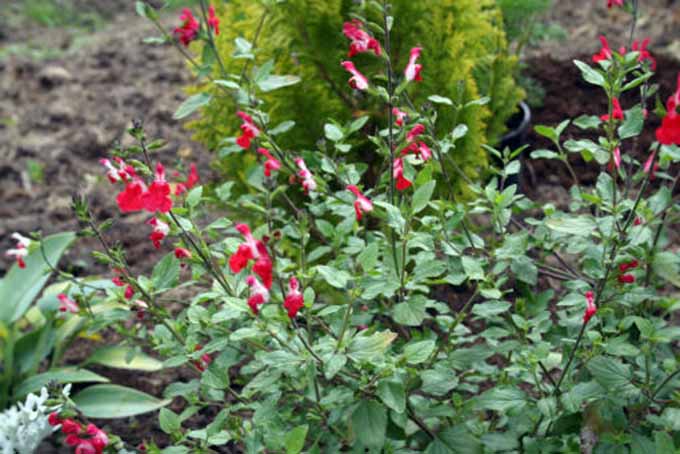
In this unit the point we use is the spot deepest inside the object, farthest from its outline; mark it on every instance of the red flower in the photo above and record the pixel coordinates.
(53, 419)
(669, 132)
(189, 29)
(157, 197)
(605, 53)
(308, 183)
(361, 40)
(131, 198)
(358, 81)
(271, 163)
(213, 20)
(129, 292)
(644, 53)
(626, 279)
(398, 174)
(252, 249)
(160, 231)
(362, 204)
(617, 157)
(590, 307)
(294, 300)
(610, 3)
(412, 71)
(182, 253)
(66, 304)
(259, 294)
(417, 130)
(399, 116)
(70, 427)
(248, 130)
(99, 438)
(205, 360)
(191, 181)
(628, 265)
(617, 112)
(20, 250)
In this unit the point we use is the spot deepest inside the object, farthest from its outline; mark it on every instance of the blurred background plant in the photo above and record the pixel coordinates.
(525, 26)
(465, 53)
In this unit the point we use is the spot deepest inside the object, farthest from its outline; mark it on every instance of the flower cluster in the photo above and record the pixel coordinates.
(591, 309)
(154, 198)
(20, 251)
(88, 440)
(417, 147)
(66, 304)
(248, 130)
(252, 250)
(625, 277)
(190, 28)
(204, 361)
(362, 204)
(606, 52)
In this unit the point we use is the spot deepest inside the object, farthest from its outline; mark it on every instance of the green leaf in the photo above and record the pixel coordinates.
(333, 132)
(612, 374)
(194, 196)
(227, 84)
(440, 100)
(524, 269)
(169, 421)
(66, 375)
(418, 352)
(393, 394)
(491, 308)
(574, 225)
(394, 217)
(502, 399)
(664, 443)
(20, 287)
(191, 105)
(334, 365)
(121, 357)
(547, 132)
(114, 401)
(369, 423)
(422, 197)
(590, 74)
(333, 276)
(632, 124)
(587, 121)
(272, 83)
(295, 439)
(365, 348)
(438, 381)
(166, 273)
(282, 127)
(410, 313)
(145, 10)
(473, 268)
(368, 258)
(544, 154)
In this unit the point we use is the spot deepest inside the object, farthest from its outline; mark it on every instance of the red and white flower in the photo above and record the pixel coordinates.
(617, 157)
(188, 31)
(294, 300)
(160, 231)
(361, 40)
(66, 304)
(213, 20)
(271, 163)
(417, 130)
(611, 3)
(398, 173)
(617, 112)
(190, 182)
(358, 81)
(248, 130)
(157, 196)
(259, 294)
(252, 249)
(182, 253)
(605, 53)
(399, 116)
(306, 177)
(590, 306)
(362, 204)
(124, 172)
(204, 361)
(20, 251)
(131, 198)
(412, 71)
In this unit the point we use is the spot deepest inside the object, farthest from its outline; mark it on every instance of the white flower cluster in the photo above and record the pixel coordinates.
(24, 426)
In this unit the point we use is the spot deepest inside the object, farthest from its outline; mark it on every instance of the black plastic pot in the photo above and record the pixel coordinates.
(516, 137)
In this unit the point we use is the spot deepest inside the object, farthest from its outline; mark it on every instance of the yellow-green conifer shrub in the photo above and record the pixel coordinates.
(464, 58)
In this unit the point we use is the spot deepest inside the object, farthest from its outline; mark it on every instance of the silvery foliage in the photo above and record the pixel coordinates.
(24, 426)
